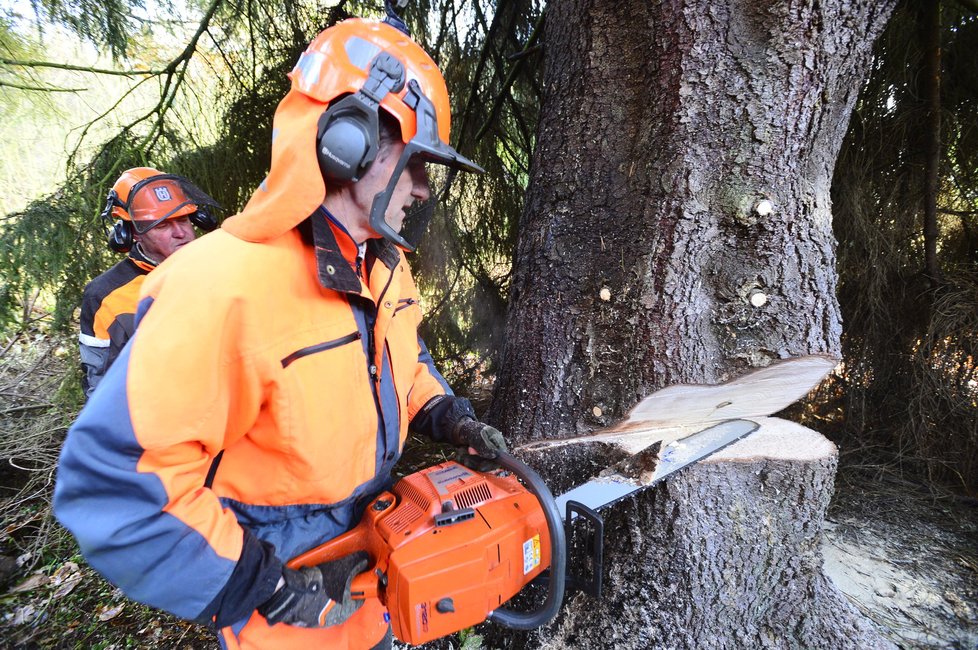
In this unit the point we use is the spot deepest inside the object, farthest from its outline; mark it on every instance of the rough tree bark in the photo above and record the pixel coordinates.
(677, 229)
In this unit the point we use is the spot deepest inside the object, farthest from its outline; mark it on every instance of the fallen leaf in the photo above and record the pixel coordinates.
(24, 614)
(35, 581)
(107, 613)
(67, 584)
(64, 571)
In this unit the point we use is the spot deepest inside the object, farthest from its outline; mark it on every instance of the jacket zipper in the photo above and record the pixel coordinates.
(371, 353)
(407, 302)
(321, 347)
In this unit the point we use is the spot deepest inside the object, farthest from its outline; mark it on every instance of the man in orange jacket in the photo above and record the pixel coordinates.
(155, 215)
(277, 368)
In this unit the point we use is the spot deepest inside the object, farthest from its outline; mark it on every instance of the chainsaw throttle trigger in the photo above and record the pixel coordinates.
(367, 584)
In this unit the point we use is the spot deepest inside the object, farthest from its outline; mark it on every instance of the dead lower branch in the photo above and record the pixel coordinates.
(80, 68)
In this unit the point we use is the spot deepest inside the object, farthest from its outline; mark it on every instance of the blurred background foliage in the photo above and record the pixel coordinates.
(88, 89)
(204, 110)
(909, 383)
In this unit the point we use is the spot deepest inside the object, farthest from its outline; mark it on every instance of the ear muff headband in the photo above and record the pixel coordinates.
(348, 131)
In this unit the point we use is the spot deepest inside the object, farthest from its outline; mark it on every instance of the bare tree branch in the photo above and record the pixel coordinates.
(173, 76)
(43, 89)
(511, 77)
(79, 68)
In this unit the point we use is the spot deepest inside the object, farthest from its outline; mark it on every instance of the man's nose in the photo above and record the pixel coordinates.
(421, 191)
(184, 230)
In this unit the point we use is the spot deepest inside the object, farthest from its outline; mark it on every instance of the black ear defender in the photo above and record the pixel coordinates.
(348, 131)
(203, 219)
(120, 238)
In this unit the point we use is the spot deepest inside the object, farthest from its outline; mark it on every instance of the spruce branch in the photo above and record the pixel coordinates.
(79, 68)
(43, 89)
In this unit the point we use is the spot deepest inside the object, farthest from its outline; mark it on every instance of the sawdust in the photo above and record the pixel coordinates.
(907, 561)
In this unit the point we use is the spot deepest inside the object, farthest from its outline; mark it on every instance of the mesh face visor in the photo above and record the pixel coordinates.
(428, 147)
(439, 179)
(154, 200)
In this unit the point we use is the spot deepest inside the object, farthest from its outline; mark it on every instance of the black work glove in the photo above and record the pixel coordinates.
(446, 418)
(484, 439)
(316, 596)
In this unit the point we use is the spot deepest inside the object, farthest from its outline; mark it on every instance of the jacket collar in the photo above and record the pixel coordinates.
(336, 253)
(140, 259)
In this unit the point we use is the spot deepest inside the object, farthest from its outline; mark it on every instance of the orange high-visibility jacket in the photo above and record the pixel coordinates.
(108, 313)
(304, 375)
(260, 405)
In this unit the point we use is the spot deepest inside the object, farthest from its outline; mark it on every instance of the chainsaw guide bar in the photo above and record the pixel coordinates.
(653, 464)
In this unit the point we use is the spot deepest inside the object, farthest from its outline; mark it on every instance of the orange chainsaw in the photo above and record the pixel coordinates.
(450, 545)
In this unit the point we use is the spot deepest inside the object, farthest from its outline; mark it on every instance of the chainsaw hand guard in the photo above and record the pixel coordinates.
(558, 552)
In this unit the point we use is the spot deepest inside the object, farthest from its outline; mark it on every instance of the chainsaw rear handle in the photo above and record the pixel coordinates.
(558, 552)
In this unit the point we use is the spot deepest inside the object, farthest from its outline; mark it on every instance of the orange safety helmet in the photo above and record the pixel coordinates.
(358, 67)
(167, 202)
(143, 198)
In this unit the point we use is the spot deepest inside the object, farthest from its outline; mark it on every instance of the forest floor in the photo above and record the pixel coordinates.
(907, 556)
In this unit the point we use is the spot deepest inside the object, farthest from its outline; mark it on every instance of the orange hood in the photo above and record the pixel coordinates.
(294, 187)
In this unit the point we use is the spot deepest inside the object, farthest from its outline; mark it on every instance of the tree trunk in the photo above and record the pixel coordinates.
(677, 229)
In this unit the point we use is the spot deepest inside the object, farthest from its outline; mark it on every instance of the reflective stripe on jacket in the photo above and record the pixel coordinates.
(107, 317)
(304, 375)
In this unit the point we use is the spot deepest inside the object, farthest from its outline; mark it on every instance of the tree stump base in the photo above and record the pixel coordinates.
(725, 554)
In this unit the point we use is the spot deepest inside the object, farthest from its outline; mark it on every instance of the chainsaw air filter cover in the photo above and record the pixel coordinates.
(462, 544)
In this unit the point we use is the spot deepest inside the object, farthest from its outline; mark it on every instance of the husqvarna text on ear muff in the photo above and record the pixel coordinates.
(348, 131)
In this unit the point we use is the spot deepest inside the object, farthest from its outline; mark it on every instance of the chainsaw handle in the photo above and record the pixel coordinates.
(558, 551)
(365, 585)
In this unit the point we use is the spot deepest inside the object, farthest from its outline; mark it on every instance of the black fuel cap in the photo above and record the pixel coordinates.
(445, 606)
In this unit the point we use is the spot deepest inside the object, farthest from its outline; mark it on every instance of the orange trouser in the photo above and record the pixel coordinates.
(363, 630)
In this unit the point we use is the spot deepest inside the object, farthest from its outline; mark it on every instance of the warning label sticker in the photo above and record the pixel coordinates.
(531, 554)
